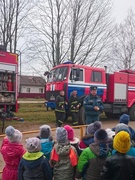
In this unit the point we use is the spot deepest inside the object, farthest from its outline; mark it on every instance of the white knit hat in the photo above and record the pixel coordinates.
(61, 135)
(33, 144)
(13, 134)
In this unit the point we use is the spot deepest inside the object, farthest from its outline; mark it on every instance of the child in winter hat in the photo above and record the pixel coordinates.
(124, 118)
(72, 139)
(13, 134)
(121, 142)
(71, 135)
(93, 157)
(93, 127)
(46, 140)
(33, 164)
(33, 145)
(120, 166)
(121, 127)
(12, 151)
(44, 131)
(100, 136)
(63, 156)
(61, 135)
(89, 136)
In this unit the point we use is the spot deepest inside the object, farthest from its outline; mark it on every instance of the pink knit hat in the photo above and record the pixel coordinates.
(70, 132)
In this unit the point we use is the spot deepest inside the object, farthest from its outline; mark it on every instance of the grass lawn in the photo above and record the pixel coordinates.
(33, 114)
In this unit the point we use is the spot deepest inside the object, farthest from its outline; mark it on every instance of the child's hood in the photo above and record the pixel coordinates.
(100, 150)
(32, 160)
(62, 150)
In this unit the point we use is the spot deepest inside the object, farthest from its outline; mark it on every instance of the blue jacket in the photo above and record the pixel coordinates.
(131, 152)
(47, 147)
(90, 102)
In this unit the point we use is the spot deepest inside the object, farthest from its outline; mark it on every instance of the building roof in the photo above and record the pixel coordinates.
(32, 80)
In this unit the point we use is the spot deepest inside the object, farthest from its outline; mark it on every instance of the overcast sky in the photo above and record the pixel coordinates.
(121, 7)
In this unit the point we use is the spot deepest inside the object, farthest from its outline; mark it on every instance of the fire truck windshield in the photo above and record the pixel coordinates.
(58, 74)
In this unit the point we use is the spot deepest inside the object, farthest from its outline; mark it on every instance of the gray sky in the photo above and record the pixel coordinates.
(121, 8)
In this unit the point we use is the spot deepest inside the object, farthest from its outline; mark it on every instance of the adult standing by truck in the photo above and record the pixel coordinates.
(74, 107)
(93, 106)
(60, 108)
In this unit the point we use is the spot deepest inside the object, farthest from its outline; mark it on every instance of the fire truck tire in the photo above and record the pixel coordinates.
(81, 116)
(132, 113)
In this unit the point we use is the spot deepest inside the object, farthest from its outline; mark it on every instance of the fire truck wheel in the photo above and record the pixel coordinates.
(132, 113)
(81, 116)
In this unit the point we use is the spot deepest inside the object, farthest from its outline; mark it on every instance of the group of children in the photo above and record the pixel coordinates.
(101, 154)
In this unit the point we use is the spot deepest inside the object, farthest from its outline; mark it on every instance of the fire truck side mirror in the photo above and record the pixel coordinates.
(46, 73)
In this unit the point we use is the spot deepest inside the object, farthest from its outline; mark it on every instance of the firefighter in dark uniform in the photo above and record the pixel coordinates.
(74, 107)
(93, 106)
(60, 108)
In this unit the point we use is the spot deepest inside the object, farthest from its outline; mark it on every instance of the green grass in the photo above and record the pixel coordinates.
(35, 112)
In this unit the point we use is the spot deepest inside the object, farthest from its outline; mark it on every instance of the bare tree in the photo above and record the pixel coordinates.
(76, 30)
(91, 31)
(124, 43)
(12, 15)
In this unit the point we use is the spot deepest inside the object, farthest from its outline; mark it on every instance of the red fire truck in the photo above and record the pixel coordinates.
(117, 90)
(8, 81)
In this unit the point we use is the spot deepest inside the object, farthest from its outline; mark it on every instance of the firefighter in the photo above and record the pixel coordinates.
(74, 107)
(93, 106)
(60, 108)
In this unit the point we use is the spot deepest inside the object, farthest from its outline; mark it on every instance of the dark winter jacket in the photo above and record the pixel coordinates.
(34, 166)
(119, 167)
(91, 161)
(60, 103)
(73, 102)
(90, 102)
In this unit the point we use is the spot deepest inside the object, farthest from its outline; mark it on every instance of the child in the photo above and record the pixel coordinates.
(73, 140)
(120, 166)
(46, 139)
(33, 164)
(12, 152)
(92, 158)
(63, 157)
(89, 135)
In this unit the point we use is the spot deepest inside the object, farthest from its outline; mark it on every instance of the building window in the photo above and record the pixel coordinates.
(96, 76)
(28, 90)
(40, 90)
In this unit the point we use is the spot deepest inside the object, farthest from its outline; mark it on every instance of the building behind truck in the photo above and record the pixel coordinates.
(117, 90)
